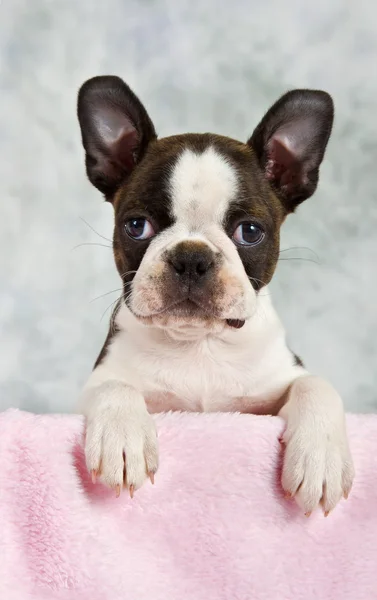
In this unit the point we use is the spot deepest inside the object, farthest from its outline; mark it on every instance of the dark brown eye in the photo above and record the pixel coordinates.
(248, 234)
(139, 229)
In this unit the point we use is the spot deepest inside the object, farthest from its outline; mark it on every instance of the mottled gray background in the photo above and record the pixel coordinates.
(197, 66)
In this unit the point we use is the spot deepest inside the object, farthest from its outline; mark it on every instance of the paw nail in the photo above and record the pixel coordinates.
(288, 496)
(307, 514)
(132, 489)
(327, 512)
(345, 495)
(94, 476)
(117, 490)
(151, 477)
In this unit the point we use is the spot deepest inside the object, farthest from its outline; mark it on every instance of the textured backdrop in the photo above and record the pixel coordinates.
(197, 66)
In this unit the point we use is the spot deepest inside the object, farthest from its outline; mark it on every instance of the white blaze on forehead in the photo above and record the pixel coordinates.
(202, 187)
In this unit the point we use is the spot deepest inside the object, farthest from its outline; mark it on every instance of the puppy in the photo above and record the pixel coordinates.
(196, 239)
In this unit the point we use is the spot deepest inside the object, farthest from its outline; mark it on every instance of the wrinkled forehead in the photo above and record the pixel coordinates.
(196, 181)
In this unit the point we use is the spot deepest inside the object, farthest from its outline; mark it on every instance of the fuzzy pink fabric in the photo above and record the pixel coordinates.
(214, 527)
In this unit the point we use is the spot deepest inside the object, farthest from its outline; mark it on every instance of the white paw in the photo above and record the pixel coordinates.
(318, 467)
(121, 445)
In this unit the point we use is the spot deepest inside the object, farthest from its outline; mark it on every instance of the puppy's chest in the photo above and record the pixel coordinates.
(205, 376)
(197, 378)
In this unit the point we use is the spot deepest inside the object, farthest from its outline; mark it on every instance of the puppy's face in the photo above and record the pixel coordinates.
(200, 226)
(197, 216)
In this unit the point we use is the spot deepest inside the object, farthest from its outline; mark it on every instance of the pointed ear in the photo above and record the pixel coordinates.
(115, 129)
(290, 143)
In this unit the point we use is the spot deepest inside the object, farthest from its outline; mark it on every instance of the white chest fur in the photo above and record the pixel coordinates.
(247, 369)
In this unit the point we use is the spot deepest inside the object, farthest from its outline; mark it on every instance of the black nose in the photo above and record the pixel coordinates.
(191, 260)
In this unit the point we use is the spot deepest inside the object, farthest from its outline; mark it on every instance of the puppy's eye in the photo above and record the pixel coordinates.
(248, 234)
(139, 229)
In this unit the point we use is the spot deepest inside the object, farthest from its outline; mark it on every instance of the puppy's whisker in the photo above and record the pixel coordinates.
(90, 244)
(257, 280)
(300, 248)
(110, 306)
(113, 316)
(127, 296)
(262, 282)
(96, 232)
(106, 294)
(127, 273)
(301, 258)
(132, 293)
(127, 283)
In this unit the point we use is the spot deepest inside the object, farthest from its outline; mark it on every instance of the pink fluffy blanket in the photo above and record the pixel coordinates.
(214, 527)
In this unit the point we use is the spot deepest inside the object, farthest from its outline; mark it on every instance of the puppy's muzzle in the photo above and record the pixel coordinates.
(193, 267)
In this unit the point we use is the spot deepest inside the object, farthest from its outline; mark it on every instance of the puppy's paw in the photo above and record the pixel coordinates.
(121, 447)
(317, 468)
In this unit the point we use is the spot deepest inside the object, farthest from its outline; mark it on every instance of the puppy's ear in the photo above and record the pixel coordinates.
(116, 131)
(290, 143)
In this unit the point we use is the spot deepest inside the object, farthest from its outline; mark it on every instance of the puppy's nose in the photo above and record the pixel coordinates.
(189, 265)
(191, 260)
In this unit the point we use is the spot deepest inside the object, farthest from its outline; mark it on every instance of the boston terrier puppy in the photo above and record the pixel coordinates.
(196, 243)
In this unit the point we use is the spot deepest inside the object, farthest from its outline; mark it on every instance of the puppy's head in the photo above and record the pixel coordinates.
(198, 216)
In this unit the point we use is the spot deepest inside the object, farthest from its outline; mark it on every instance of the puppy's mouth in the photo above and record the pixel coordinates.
(235, 323)
(189, 308)
(184, 308)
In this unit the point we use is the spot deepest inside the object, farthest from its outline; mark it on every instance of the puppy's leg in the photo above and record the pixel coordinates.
(121, 439)
(317, 467)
